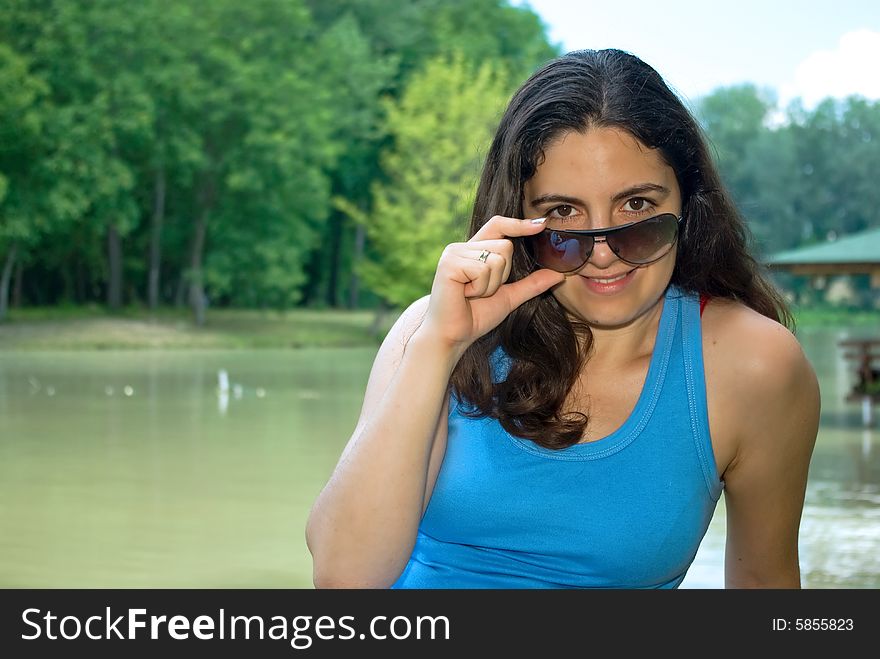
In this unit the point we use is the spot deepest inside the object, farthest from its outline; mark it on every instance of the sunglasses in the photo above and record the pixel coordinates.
(636, 243)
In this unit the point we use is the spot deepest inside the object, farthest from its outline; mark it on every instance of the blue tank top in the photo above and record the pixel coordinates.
(625, 511)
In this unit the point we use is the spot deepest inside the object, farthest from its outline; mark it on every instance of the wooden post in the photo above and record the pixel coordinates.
(866, 375)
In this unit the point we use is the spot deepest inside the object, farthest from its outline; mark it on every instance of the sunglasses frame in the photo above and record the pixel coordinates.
(611, 231)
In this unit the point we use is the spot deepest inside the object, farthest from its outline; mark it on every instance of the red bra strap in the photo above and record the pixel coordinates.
(703, 300)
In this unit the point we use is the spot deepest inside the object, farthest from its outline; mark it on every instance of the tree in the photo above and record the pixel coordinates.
(266, 132)
(20, 129)
(354, 73)
(431, 171)
(756, 160)
(396, 40)
(189, 150)
(87, 55)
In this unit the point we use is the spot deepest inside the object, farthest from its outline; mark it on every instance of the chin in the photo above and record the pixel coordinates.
(609, 312)
(609, 321)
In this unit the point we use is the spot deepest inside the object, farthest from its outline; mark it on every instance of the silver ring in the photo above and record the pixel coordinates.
(484, 255)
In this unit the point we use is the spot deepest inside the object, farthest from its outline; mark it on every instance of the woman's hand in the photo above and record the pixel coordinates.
(469, 296)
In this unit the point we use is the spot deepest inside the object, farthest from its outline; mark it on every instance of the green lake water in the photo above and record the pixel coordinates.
(134, 470)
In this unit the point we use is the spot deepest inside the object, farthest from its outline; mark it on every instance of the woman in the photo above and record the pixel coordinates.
(566, 407)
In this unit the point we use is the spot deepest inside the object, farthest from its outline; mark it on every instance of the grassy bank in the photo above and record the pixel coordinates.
(830, 317)
(94, 329)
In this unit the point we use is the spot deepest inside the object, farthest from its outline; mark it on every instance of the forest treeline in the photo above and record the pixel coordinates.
(281, 153)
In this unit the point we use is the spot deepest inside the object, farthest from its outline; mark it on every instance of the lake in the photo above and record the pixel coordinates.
(137, 470)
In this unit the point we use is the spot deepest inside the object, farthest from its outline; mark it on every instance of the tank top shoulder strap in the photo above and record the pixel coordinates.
(696, 389)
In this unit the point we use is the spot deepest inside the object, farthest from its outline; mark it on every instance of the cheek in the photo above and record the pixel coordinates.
(667, 263)
(658, 275)
(567, 294)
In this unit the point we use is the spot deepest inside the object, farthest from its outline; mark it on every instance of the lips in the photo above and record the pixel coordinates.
(608, 284)
(608, 280)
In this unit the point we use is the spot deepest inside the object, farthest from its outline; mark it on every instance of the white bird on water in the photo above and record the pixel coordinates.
(223, 381)
(223, 388)
(222, 391)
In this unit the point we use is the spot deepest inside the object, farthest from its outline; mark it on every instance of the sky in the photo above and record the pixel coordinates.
(807, 49)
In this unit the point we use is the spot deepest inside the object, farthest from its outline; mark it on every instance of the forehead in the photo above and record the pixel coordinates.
(598, 160)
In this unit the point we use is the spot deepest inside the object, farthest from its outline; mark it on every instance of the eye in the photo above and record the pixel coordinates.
(637, 205)
(564, 214)
(562, 211)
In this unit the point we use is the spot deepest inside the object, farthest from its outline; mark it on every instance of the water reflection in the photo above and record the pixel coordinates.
(840, 526)
(197, 469)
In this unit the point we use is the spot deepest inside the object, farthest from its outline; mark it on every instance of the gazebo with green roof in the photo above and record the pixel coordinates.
(855, 254)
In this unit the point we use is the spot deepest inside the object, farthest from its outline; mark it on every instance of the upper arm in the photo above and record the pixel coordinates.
(777, 406)
(384, 367)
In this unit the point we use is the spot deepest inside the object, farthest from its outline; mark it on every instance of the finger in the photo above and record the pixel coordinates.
(500, 261)
(531, 286)
(499, 265)
(478, 287)
(473, 274)
(508, 227)
(502, 248)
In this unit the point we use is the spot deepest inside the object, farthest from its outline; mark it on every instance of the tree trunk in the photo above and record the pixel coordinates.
(335, 232)
(81, 295)
(205, 197)
(379, 319)
(153, 277)
(196, 280)
(114, 257)
(18, 284)
(360, 238)
(5, 278)
(180, 291)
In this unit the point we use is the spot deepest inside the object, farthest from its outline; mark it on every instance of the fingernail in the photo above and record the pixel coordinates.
(539, 220)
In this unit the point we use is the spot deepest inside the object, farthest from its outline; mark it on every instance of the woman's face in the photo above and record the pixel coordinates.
(605, 177)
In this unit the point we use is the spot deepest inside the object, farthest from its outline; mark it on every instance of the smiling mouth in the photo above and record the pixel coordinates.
(608, 280)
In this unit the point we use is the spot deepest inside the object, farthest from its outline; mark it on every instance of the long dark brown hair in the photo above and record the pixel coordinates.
(546, 349)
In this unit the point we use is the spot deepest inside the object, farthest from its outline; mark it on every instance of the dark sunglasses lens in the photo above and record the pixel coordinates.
(645, 241)
(560, 251)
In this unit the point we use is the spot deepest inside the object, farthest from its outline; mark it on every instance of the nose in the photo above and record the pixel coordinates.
(602, 255)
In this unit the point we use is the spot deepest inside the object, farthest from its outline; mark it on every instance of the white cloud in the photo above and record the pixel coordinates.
(849, 69)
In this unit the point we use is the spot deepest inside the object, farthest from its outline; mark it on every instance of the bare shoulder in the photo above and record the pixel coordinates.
(759, 380)
(759, 354)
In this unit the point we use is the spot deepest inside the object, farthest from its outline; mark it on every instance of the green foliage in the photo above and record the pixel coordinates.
(837, 148)
(354, 78)
(197, 144)
(735, 120)
(416, 31)
(800, 176)
(20, 139)
(287, 152)
(431, 171)
(396, 40)
(267, 148)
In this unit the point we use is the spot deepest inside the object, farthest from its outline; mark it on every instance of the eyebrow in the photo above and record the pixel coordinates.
(641, 188)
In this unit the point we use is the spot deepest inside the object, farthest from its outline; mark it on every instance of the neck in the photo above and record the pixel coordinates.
(614, 346)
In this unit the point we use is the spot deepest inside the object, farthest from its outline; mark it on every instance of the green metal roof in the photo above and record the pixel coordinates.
(863, 247)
